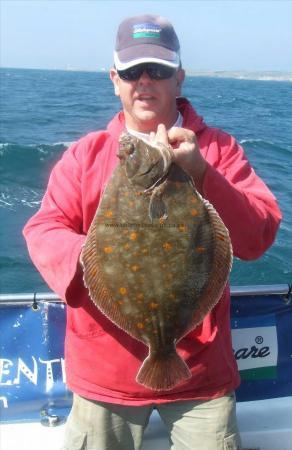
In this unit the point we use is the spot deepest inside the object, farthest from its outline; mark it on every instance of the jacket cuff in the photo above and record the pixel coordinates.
(75, 290)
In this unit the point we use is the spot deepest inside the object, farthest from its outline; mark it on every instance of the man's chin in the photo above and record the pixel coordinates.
(148, 119)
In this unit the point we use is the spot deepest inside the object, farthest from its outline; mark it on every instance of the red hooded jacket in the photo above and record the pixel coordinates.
(102, 361)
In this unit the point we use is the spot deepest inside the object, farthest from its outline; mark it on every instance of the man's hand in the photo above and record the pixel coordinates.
(186, 151)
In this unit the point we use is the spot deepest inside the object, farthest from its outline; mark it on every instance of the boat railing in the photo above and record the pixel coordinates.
(236, 291)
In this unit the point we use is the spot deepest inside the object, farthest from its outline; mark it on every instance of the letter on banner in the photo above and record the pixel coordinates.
(4, 370)
(31, 375)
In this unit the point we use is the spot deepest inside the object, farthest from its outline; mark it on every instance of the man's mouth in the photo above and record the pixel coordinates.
(145, 97)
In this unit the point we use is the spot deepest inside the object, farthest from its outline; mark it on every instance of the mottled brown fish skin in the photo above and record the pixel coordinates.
(156, 278)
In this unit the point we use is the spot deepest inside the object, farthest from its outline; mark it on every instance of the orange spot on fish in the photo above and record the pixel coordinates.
(126, 246)
(122, 290)
(135, 267)
(194, 212)
(108, 213)
(182, 228)
(108, 249)
(120, 302)
(153, 305)
(93, 271)
(140, 296)
(200, 249)
(140, 325)
(161, 220)
(167, 246)
(133, 236)
(194, 200)
(220, 236)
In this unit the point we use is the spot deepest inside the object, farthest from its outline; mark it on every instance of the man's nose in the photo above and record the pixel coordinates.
(144, 77)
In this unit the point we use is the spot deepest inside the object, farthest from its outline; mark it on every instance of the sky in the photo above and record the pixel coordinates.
(234, 35)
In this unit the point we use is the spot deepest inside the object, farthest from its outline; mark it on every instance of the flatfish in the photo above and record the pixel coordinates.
(156, 258)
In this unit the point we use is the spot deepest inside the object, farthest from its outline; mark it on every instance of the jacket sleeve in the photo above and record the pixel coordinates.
(54, 234)
(243, 201)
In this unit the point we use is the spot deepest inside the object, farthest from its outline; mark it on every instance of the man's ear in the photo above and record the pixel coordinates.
(180, 76)
(115, 79)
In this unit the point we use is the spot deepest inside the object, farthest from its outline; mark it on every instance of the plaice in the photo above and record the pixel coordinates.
(157, 257)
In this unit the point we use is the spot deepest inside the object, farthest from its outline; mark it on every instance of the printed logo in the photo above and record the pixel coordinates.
(146, 30)
(255, 347)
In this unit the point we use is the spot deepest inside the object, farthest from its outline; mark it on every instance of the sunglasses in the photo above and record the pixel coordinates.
(154, 71)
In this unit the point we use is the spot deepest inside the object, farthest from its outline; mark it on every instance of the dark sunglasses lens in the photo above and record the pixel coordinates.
(159, 72)
(131, 74)
(155, 72)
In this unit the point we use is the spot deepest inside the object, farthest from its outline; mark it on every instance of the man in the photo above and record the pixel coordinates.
(110, 410)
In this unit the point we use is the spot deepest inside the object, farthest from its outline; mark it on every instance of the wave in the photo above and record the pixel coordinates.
(24, 160)
(268, 145)
(255, 141)
(40, 147)
(14, 197)
(24, 172)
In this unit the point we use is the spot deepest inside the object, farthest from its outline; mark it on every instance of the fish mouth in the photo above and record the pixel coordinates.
(149, 169)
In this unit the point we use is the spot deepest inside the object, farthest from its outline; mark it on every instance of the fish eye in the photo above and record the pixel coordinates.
(130, 149)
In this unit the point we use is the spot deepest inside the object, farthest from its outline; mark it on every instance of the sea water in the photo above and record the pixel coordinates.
(42, 112)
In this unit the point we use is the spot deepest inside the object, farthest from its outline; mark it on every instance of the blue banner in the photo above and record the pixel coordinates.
(262, 344)
(32, 374)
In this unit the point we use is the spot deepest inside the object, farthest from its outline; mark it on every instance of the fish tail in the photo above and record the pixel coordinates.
(163, 372)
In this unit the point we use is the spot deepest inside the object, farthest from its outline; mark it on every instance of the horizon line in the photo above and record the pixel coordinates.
(103, 69)
(241, 75)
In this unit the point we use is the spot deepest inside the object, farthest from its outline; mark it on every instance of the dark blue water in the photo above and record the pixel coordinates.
(43, 111)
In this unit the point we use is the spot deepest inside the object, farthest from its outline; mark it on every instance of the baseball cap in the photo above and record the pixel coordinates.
(146, 39)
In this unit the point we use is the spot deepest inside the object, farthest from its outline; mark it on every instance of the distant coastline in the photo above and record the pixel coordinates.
(260, 75)
(244, 75)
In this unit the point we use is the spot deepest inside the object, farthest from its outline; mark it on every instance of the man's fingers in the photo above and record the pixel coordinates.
(174, 135)
(152, 136)
(161, 134)
(181, 135)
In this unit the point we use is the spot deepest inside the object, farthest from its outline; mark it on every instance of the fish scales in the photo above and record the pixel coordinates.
(156, 258)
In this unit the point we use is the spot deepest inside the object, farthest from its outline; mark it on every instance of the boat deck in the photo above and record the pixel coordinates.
(264, 425)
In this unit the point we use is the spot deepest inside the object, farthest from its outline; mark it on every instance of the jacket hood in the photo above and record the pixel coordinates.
(191, 119)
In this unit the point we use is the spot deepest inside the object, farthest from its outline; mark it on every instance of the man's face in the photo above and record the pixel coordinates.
(147, 102)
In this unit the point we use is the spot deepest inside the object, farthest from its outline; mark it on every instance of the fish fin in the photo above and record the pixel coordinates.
(222, 264)
(98, 291)
(157, 208)
(162, 372)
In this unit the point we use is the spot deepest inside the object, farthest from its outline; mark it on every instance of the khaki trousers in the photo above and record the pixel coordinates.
(192, 425)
